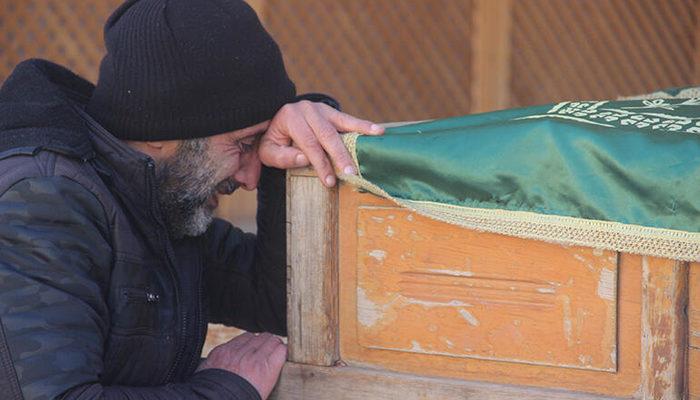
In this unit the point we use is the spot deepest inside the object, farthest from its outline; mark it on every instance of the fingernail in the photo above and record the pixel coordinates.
(375, 128)
(349, 170)
(301, 160)
(330, 180)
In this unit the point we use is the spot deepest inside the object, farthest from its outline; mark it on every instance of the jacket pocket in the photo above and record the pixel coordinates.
(137, 311)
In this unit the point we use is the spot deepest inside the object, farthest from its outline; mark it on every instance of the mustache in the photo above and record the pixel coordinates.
(227, 186)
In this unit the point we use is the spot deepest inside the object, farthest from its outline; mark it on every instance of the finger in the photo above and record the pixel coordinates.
(239, 341)
(307, 141)
(278, 356)
(229, 353)
(331, 142)
(253, 346)
(347, 123)
(274, 155)
(269, 346)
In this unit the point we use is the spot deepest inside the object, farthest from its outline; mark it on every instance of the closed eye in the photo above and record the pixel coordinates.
(247, 144)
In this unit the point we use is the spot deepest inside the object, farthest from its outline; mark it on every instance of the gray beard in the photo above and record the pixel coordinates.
(185, 182)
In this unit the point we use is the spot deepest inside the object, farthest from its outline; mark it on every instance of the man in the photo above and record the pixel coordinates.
(111, 263)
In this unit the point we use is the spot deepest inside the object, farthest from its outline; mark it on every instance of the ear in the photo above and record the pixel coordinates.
(158, 150)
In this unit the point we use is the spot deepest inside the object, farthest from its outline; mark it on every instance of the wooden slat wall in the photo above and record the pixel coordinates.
(600, 48)
(415, 59)
(383, 59)
(67, 32)
(410, 60)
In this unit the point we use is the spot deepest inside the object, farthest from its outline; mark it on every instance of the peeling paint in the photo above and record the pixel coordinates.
(469, 317)
(613, 355)
(376, 219)
(378, 255)
(449, 343)
(429, 304)
(607, 284)
(584, 261)
(409, 217)
(585, 359)
(451, 272)
(598, 252)
(568, 328)
(368, 312)
(360, 232)
(415, 346)
(546, 290)
(389, 231)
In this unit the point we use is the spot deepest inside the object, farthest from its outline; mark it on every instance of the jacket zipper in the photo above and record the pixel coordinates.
(140, 295)
(173, 273)
(198, 321)
(150, 173)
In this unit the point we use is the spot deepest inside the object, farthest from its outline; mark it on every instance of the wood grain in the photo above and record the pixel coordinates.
(303, 382)
(312, 271)
(694, 306)
(624, 381)
(664, 328)
(694, 374)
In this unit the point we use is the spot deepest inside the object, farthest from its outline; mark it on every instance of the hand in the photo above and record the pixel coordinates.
(306, 132)
(256, 358)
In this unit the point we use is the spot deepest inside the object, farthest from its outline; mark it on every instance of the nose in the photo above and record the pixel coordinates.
(248, 174)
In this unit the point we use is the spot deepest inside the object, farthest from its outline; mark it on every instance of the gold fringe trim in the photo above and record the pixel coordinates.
(657, 242)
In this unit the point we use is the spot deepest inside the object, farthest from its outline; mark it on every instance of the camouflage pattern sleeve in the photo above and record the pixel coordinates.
(55, 261)
(54, 265)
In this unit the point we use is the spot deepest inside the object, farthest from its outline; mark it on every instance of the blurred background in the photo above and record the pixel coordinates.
(397, 60)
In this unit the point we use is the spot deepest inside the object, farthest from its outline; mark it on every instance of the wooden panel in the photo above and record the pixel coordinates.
(312, 272)
(694, 374)
(433, 288)
(694, 306)
(303, 382)
(533, 367)
(664, 327)
(565, 50)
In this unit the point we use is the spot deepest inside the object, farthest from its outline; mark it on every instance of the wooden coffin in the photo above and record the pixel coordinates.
(388, 304)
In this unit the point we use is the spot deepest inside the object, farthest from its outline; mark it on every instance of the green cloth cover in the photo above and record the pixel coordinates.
(635, 162)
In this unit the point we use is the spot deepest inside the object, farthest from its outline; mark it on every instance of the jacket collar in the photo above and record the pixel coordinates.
(36, 112)
(129, 172)
(42, 108)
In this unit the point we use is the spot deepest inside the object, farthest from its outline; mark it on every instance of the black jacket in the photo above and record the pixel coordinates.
(96, 301)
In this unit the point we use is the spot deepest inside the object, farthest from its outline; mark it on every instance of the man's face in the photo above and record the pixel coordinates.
(190, 181)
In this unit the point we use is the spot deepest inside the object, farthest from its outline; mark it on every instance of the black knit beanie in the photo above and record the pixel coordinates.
(182, 69)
